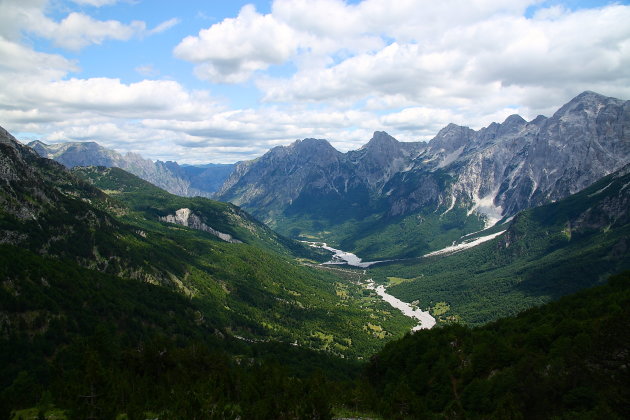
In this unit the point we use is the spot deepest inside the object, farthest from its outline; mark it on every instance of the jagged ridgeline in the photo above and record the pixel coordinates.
(391, 199)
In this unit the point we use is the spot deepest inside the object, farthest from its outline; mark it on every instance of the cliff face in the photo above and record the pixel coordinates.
(188, 218)
(585, 140)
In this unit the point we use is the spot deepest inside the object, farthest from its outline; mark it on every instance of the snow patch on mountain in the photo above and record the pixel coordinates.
(485, 205)
(464, 245)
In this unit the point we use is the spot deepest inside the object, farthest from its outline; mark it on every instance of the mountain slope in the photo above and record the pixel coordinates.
(223, 220)
(312, 177)
(548, 159)
(545, 253)
(181, 180)
(366, 200)
(252, 286)
(96, 345)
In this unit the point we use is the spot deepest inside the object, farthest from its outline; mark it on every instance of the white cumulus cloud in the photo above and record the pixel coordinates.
(230, 51)
(73, 32)
(481, 57)
(77, 31)
(329, 69)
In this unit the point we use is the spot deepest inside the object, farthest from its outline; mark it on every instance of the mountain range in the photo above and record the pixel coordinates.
(543, 253)
(460, 181)
(377, 200)
(184, 180)
(497, 170)
(381, 200)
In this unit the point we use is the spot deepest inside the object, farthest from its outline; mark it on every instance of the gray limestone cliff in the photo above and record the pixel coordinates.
(188, 218)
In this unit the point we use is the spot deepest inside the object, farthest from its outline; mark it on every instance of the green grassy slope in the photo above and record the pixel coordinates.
(100, 298)
(258, 288)
(148, 203)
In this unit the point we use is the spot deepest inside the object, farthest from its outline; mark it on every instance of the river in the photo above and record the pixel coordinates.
(426, 321)
(425, 318)
(343, 257)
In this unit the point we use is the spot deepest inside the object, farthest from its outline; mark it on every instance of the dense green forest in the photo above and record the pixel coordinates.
(565, 360)
(142, 203)
(131, 350)
(259, 289)
(263, 282)
(99, 346)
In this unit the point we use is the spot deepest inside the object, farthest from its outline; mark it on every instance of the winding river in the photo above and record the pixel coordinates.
(426, 321)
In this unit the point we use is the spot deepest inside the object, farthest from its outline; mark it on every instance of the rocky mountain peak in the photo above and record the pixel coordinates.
(7, 138)
(311, 144)
(167, 175)
(512, 125)
(450, 138)
(22, 177)
(72, 154)
(538, 121)
(586, 104)
(311, 150)
(381, 140)
(37, 145)
(589, 96)
(513, 121)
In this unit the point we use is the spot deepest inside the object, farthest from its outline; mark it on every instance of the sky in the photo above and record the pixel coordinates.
(222, 81)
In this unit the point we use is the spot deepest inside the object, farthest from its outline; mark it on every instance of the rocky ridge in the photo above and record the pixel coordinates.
(496, 171)
(187, 181)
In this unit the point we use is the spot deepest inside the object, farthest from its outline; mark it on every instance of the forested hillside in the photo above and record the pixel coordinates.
(118, 346)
